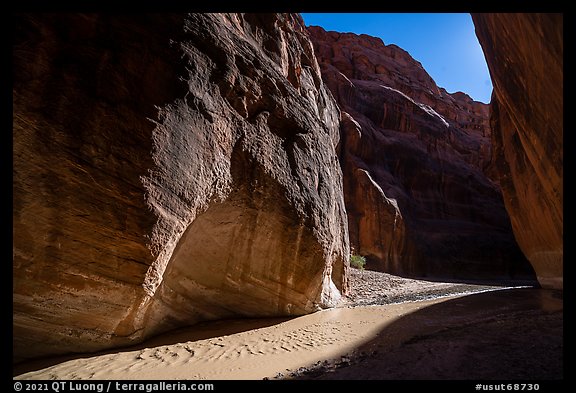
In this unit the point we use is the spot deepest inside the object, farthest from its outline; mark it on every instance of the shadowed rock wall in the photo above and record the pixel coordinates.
(169, 169)
(418, 184)
(525, 53)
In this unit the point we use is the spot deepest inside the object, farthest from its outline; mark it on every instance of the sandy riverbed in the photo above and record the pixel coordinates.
(383, 331)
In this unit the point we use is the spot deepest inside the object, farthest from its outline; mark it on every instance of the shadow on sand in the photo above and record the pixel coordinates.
(511, 334)
(507, 334)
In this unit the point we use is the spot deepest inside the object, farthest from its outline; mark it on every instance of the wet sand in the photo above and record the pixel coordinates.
(389, 328)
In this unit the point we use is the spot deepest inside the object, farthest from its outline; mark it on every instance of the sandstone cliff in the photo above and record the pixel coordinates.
(169, 169)
(524, 53)
(416, 164)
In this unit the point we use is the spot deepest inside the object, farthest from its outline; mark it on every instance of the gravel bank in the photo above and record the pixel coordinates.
(377, 288)
(499, 333)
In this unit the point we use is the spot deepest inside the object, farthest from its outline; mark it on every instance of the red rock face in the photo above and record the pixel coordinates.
(524, 53)
(169, 169)
(416, 164)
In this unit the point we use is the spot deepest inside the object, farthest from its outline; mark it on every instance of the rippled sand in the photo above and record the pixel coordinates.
(333, 343)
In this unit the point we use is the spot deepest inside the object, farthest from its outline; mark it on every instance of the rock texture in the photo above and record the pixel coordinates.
(524, 53)
(416, 164)
(169, 169)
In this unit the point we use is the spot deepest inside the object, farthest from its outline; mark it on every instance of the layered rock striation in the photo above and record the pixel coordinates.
(416, 160)
(169, 169)
(524, 53)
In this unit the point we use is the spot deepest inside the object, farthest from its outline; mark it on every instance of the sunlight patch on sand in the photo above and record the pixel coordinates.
(250, 354)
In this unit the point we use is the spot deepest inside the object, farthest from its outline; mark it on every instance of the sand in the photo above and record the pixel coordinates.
(383, 316)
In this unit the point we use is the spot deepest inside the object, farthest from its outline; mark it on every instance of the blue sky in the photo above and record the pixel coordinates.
(445, 44)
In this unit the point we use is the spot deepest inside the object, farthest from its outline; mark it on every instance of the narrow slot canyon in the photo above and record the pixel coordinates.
(188, 191)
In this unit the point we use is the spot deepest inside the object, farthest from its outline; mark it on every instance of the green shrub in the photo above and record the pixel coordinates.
(357, 261)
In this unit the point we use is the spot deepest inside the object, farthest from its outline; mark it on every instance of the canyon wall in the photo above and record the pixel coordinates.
(524, 53)
(418, 181)
(169, 169)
